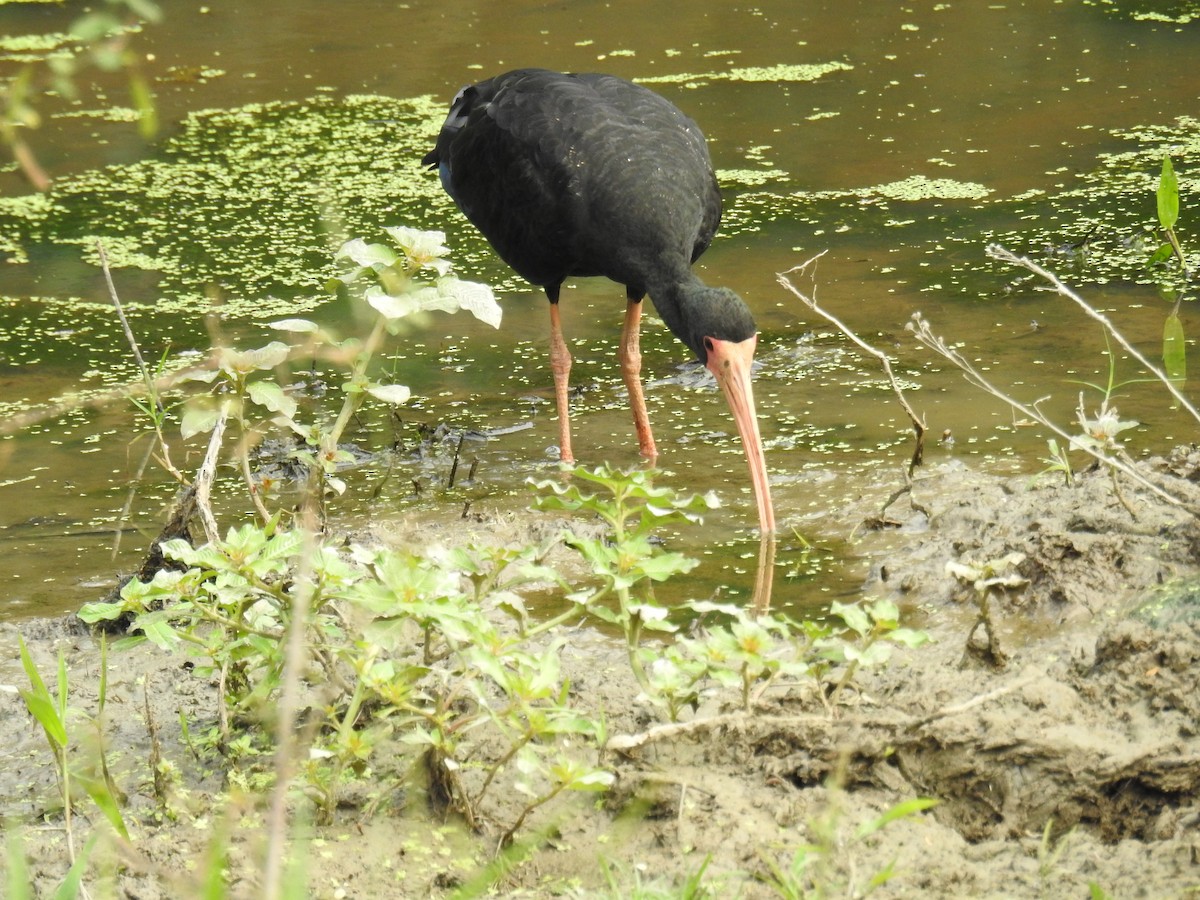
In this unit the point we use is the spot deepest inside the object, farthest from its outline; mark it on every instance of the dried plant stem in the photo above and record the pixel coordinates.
(152, 391)
(924, 334)
(1003, 254)
(918, 423)
(205, 477)
(286, 739)
(28, 162)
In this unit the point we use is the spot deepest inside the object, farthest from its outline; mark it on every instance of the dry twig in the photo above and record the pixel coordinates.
(1003, 254)
(924, 334)
(918, 423)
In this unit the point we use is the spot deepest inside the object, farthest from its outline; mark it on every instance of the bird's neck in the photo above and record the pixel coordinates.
(673, 298)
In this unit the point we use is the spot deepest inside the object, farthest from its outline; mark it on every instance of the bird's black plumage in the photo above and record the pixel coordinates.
(578, 175)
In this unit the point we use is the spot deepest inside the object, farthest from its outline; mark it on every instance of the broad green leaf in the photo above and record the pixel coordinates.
(198, 418)
(475, 298)
(99, 791)
(368, 256)
(91, 613)
(160, 633)
(885, 611)
(1174, 349)
(39, 700)
(1168, 195)
(41, 707)
(909, 637)
(423, 249)
(666, 565)
(271, 396)
(1161, 255)
(855, 617)
(243, 362)
(596, 780)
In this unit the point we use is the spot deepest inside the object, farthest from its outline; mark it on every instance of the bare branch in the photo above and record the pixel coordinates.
(918, 423)
(204, 480)
(1003, 254)
(924, 334)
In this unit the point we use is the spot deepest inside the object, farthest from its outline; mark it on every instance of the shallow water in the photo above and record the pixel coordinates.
(928, 133)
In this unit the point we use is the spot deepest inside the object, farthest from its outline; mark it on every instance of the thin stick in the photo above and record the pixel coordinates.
(116, 300)
(978, 700)
(286, 739)
(924, 334)
(918, 423)
(147, 379)
(1003, 254)
(205, 477)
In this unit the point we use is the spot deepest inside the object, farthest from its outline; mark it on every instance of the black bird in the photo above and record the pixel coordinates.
(580, 175)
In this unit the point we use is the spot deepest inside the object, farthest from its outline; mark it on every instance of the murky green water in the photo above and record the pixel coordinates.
(899, 139)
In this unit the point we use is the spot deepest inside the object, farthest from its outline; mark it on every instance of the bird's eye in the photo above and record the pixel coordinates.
(708, 345)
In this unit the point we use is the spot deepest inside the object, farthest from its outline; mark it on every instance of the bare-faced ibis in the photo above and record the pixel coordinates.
(581, 175)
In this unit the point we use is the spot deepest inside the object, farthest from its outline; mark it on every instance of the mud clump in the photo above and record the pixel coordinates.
(1077, 763)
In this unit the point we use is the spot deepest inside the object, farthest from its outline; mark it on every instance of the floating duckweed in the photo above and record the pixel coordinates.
(1176, 12)
(735, 178)
(107, 114)
(918, 187)
(249, 200)
(32, 43)
(1101, 229)
(796, 72)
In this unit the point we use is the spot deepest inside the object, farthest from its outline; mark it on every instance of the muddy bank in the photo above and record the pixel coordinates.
(1071, 759)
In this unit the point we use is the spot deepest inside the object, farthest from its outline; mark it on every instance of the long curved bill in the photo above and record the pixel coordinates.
(731, 363)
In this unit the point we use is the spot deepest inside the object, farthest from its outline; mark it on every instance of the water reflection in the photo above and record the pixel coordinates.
(764, 576)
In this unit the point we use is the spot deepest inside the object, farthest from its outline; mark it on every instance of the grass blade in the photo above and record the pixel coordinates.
(39, 702)
(1168, 196)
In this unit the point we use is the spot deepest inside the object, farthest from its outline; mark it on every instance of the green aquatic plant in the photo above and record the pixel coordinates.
(51, 64)
(51, 710)
(410, 277)
(624, 559)
(1167, 197)
(1057, 460)
(988, 579)
(407, 657)
(1174, 352)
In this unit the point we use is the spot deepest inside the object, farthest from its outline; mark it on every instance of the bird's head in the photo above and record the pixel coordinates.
(716, 314)
(721, 330)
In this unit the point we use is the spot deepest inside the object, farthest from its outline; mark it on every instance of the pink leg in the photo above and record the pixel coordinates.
(560, 364)
(631, 370)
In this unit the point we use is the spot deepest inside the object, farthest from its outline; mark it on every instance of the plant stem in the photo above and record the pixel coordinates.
(354, 398)
(995, 251)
